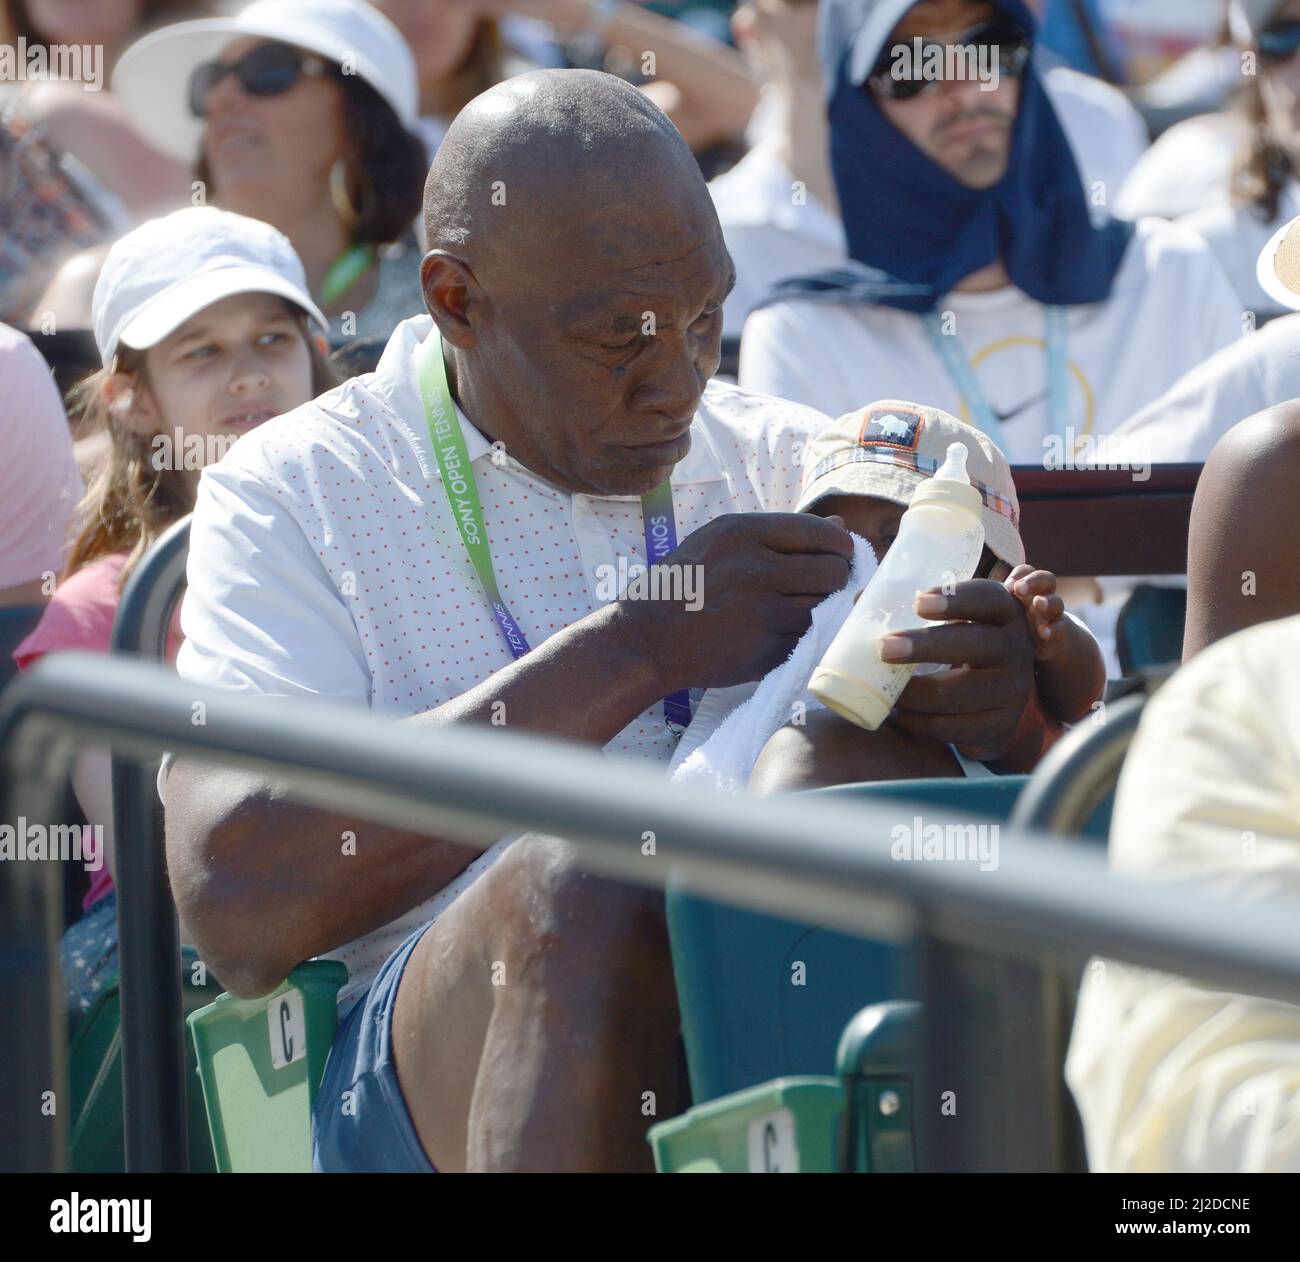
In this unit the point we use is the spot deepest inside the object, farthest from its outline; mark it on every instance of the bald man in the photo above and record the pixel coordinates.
(438, 541)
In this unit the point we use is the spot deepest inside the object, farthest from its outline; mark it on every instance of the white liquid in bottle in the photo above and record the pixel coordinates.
(939, 542)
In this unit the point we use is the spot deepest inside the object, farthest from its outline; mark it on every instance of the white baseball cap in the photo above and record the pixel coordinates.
(152, 77)
(160, 274)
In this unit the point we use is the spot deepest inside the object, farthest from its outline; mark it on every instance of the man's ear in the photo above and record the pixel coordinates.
(129, 401)
(453, 297)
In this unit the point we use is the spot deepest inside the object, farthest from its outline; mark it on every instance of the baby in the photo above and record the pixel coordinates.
(864, 470)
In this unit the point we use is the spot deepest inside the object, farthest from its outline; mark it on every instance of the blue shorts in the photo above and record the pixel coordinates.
(359, 1121)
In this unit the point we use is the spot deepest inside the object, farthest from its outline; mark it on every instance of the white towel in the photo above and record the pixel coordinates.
(732, 725)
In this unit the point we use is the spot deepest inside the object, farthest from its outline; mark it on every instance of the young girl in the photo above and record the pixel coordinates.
(205, 330)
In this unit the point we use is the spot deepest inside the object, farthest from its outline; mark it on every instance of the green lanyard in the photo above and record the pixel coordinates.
(452, 455)
(450, 451)
(345, 271)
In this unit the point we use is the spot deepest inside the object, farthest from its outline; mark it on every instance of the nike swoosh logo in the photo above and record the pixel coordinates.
(1028, 403)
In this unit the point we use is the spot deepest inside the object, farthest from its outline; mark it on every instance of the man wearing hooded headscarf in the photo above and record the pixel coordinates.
(777, 205)
(982, 278)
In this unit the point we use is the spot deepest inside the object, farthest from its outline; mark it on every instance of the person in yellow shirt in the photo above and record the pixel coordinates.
(1171, 1076)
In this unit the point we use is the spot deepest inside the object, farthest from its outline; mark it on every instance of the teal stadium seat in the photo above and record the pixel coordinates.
(95, 1068)
(1150, 627)
(771, 1091)
(747, 1015)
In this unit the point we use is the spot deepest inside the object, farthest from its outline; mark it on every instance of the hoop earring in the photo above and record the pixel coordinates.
(351, 215)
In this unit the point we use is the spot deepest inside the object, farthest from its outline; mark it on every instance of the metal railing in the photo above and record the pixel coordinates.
(153, 1039)
(801, 857)
(1068, 786)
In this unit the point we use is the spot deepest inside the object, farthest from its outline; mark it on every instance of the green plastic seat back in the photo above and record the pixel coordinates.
(96, 1138)
(790, 1126)
(763, 997)
(862, 1120)
(260, 1062)
(879, 1063)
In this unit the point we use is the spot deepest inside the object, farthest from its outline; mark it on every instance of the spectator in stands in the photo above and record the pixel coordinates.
(39, 483)
(1254, 373)
(778, 205)
(1265, 193)
(983, 286)
(205, 330)
(1171, 1075)
(865, 475)
(1187, 168)
(299, 113)
(1201, 106)
(580, 427)
(73, 171)
(701, 84)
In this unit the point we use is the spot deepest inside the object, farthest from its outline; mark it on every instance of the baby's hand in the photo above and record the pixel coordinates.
(1045, 610)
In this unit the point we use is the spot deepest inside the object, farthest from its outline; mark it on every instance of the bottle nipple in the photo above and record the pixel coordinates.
(953, 468)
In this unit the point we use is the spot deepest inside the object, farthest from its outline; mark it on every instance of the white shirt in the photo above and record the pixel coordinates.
(1188, 167)
(1184, 423)
(1121, 353)
(775, 230)
(1105, 132)
(324, 561)
(1169, 1076)
(1237, 235)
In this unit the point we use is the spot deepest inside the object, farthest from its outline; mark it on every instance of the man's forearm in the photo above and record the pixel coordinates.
(709, 75)
(258, 908)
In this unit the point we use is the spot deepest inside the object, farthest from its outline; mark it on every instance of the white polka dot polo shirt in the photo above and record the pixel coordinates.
(324, 559)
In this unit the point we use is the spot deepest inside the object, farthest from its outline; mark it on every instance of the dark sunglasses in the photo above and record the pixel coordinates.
(1010, 45)
(268, 70)
(1280, 43)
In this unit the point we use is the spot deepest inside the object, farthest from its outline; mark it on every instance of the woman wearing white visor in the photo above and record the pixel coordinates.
(206, 330)
(299, 113)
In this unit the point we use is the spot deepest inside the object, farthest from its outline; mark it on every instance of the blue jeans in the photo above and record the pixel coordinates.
(359, 1120)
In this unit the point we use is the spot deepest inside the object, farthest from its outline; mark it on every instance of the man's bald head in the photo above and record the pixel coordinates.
(576, 272)
(549, 147)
